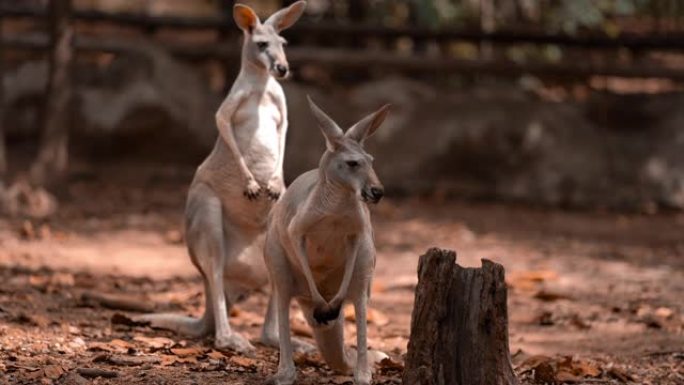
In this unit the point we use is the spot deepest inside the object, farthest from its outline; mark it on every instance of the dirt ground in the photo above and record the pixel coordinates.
(594, 297)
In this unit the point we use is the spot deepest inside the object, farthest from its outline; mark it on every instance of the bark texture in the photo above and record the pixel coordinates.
(459, 326)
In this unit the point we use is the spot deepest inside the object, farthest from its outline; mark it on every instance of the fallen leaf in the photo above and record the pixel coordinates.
(33, 319)
(185, 352)
(340, 380)
(244, 362)
(114, 346)
(529, 280)
(133, 360)
(664, 312)
(586, 369)
(96, 372)
(168, 360)
(534, 361)
(301, 328)
(619, 374)
(302, 359)
(549, 296)
(545, 373)
(216, 355)
(155, 342)
(373, 316)
(563, 376)
(53, 371)
(577, 321)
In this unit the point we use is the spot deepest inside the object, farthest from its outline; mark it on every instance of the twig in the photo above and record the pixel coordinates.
(117, 302)
(95, 372)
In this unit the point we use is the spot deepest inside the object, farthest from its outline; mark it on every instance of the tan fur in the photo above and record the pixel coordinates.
(236, 186)
(319, 247)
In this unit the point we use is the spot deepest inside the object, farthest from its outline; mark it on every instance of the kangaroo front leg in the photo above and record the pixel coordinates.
(322, 311)
(225, 128)
(349, 266)
(362, 373)
(276, 185)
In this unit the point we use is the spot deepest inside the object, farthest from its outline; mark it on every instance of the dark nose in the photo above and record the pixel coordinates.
(377, 193)
(281, 69)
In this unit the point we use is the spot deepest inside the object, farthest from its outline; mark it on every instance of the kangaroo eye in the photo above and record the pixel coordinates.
(262, 45)
(352, 164)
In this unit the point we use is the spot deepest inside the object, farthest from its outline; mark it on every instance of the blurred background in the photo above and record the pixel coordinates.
(571, 103)
(546, 135)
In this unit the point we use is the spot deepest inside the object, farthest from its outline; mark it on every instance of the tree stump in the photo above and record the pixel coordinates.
(459, 325)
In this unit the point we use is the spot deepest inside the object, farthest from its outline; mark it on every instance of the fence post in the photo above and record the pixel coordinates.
(51, 161)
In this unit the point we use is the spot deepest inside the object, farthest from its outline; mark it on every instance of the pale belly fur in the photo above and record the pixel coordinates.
(257, 137)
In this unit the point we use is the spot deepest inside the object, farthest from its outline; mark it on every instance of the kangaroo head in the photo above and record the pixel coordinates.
(263, 45)
(345, 163)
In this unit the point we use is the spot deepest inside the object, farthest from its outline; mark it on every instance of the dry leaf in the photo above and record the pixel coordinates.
(373, 316)
(185, 352)
(534, 361)
(53, 371)
(620, 375)
(244, 362)
(301, 328)
(340, 380)
(664, 312)
(586, 369)
(114, 346)
(33, 319)
(548, 296)
(216, 355)
(529, 280)
(168, 360)
(564, 376)
(302, 359)
(545, 373)
(155, 342)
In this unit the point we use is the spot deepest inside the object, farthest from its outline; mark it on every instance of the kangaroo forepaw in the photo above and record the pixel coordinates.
(274, 189)
(252, 190)
(324, 313)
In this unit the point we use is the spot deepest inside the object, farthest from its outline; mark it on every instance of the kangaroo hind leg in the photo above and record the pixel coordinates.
(208, 248)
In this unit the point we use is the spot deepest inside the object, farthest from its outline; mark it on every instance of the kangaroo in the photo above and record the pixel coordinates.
(319, 247)
(236, 186)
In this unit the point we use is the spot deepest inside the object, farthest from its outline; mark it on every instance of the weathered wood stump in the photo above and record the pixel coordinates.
(459, 325)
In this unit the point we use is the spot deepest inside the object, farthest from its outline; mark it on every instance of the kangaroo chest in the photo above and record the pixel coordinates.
(330, 243)
(256, 128)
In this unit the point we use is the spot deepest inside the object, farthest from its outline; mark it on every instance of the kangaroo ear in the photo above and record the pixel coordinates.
(332, 132)
(286, 17)
(245, 18)
(368, 125)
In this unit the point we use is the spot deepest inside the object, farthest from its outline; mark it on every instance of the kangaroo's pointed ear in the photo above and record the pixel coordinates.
(332, 132)
(368, 125)
(286, 17)
(245, 18)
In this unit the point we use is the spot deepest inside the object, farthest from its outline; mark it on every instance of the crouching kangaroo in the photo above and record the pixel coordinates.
(236, 186)
(319, 247)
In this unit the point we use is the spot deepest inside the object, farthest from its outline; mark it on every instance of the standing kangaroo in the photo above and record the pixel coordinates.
(319, 247)
(236, 186)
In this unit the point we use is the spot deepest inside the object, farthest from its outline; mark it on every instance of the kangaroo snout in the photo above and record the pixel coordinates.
(373, 194)
(281, 70)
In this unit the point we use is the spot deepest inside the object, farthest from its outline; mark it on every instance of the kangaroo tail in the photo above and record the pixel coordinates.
(193, 327)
